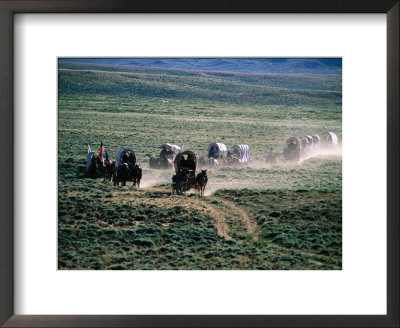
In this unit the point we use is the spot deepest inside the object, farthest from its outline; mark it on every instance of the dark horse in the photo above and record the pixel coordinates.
(137, 175)
(95, 168)
(201, 181)
(108, 170)
(126, 172)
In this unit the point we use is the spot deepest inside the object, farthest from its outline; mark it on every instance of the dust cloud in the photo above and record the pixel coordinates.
(323, 152)
(151, 178)
(281, 174)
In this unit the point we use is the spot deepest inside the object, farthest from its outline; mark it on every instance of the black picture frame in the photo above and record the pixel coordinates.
(7, 10)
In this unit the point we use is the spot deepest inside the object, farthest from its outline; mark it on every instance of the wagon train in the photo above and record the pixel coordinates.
(297, 148)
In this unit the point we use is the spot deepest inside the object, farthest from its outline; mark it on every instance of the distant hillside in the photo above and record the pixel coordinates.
(184, 85)
(330, 66)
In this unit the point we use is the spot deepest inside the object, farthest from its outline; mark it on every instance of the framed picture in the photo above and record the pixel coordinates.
(241, 99)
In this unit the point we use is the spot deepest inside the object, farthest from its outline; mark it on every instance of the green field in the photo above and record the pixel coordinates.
(288, 216)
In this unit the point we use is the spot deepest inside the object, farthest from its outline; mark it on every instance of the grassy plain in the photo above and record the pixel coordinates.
(257, 217)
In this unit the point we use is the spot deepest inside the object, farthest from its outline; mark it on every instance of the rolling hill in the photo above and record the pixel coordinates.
(330, 66)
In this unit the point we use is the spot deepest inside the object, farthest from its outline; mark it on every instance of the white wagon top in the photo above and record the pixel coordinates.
(333, 136)
(244, 151)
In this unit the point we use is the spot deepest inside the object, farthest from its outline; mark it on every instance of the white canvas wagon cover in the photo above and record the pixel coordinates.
(244, 151)
(120, 152)
(219, 145)
(330, 136)
(171, 146)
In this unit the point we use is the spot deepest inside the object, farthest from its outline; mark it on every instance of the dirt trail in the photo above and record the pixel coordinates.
(221, 213)
(190, 203)
(251, 225)
(220, 221)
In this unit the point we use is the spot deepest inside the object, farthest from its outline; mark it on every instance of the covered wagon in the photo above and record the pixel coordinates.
(125, 155)
(166, 158)
(292, 150)
(239, 154)
(329, 139)
(127, 168)
(185, 164)
(216, 150)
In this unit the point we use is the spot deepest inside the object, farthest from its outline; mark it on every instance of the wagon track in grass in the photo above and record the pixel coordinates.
(169, 201)
(222, 213)
(250, 224)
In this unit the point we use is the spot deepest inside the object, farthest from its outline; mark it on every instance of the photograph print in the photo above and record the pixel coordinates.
(199, 163)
